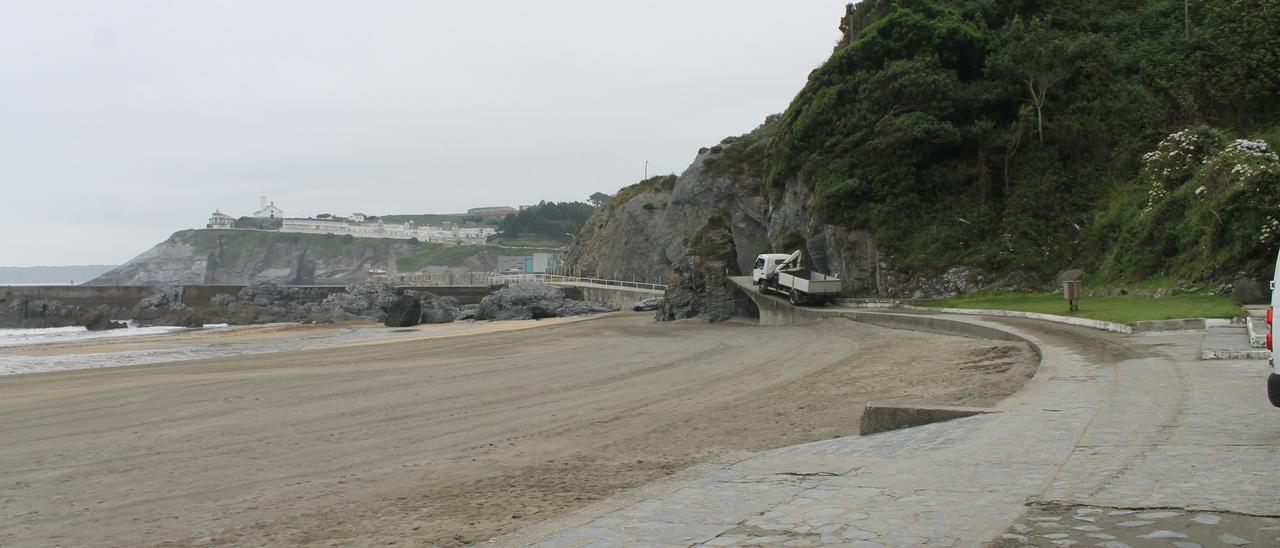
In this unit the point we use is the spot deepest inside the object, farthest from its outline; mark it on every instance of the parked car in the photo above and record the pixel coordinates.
(652, 303)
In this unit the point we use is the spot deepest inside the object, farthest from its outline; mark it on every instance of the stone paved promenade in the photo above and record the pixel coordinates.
(1117, 441)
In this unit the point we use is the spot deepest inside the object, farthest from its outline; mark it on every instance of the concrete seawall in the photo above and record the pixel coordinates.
(621, 297)
(775, 310)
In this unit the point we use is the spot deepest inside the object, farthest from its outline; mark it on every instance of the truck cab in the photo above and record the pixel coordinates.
(765, 265)
(1273, 380)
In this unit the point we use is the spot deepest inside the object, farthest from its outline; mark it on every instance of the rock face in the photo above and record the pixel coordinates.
(644, 236)
(247, 256)
(648, 234)
(534, 301)
(405, 312)
(702, 288)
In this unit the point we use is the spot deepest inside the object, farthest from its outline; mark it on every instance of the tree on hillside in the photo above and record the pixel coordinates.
(1039, 58)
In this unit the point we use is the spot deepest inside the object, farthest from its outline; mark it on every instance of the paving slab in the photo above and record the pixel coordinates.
(1230, 343)
(1258, 329)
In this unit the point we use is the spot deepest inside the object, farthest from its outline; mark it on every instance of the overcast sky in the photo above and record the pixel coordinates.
(122, 122)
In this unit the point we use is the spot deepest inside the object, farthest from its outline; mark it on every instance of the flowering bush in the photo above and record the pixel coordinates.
(1179, 155)
(1176, 160)
(1270, 231)
(1212, 208)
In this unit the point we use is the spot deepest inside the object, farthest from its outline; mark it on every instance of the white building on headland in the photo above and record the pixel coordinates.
(267, 210)
(220, 220)
(445, 233)
(360, 226)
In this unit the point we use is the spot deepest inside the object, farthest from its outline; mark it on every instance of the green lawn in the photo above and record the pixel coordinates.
(1124, 309)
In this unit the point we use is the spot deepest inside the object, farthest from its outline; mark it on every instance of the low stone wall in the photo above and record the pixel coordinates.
(122, 296)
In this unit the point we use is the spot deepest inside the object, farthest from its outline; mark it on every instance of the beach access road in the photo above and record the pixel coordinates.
(447, 440)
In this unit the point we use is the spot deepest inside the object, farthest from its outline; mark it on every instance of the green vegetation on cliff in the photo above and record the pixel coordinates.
(440, 255)
(236, 243)
(236, 246)
(547, 222)
(657, 183)
(1035, 135)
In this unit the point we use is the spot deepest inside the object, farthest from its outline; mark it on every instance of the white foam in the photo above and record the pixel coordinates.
(53, 335)
(19, 364)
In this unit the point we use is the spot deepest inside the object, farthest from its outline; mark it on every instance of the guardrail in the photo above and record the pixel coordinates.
(556, 278)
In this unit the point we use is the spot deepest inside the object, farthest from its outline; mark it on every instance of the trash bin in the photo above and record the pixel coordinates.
(1071, 290)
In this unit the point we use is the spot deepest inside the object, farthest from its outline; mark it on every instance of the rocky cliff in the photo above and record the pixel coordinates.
(646, 229)
(244, 256)
(917, 162)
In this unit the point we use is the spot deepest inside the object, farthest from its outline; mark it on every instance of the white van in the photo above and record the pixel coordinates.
(1273, 380)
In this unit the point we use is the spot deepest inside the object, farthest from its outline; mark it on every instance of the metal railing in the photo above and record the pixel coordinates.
(556, 278)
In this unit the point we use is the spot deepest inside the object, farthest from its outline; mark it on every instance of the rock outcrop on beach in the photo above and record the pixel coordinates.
(100, 320)
(436, 309)
(535, 301)
(266, 302)
(405, 312)
(38, 313)
(165, 307)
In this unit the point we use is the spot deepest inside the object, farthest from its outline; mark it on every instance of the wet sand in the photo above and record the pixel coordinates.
(439, 439)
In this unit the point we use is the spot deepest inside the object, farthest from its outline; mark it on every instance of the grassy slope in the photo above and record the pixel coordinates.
(440, 256)
(1124, 309)
(236, 243)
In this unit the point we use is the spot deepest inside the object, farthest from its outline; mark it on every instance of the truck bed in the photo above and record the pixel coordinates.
(810, 282)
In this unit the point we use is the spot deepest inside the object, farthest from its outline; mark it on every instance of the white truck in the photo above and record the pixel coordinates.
(781, 273)
(1273, 380)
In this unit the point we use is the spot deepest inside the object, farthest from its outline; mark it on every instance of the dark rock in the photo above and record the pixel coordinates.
(1248, 291)
(683, 299)
(188, 318)
(101, 321)
(181, 317)
(436, 309)
(365, 300)
(702, 289)
(532, 301)
(405, 312)
(24, 312)
(167, 297)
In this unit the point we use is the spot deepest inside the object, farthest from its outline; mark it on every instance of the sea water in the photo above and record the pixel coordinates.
(50, 335)
(15, 364)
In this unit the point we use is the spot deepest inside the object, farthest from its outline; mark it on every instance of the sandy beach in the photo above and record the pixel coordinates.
(438, 436)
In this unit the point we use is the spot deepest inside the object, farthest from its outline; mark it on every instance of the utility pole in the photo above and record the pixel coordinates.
(646, 170)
